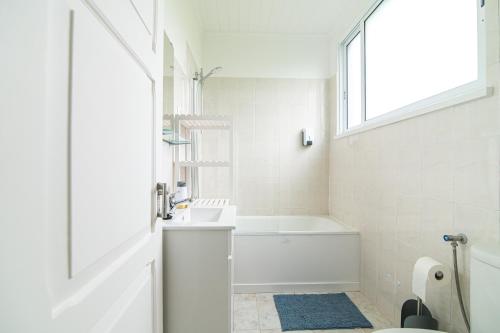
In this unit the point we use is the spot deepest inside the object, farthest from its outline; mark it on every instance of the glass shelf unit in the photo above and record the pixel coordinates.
(209, 122)
(187, 166)
(169, 137)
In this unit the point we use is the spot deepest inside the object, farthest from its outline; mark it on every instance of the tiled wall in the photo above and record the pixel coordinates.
(275, 174)
(406, 184)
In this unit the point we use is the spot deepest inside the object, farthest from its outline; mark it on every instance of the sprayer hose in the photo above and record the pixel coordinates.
(459, 291)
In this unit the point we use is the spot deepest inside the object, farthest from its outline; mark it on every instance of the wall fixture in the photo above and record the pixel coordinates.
(307, 138)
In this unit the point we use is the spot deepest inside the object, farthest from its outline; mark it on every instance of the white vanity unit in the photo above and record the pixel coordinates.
(198, 269)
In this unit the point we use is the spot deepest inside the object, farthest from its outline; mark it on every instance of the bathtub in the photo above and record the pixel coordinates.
(295, 254)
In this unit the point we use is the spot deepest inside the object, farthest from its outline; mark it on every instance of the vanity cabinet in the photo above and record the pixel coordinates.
(197, 274)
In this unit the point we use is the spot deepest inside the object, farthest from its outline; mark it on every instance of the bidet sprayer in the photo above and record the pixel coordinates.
(455, 239)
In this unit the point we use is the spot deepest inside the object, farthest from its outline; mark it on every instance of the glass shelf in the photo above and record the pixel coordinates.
(169, 137)
(172, 141)
(195, 164)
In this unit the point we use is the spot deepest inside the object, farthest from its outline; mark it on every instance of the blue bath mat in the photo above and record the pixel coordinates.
(318, 312)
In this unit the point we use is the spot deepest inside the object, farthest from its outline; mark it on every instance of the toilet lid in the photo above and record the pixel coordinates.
(406, 330)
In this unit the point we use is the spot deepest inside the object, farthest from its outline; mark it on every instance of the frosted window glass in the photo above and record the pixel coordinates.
(416, 49)
(354, 82)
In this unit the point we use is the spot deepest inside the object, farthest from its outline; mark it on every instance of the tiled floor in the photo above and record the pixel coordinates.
(256, 313)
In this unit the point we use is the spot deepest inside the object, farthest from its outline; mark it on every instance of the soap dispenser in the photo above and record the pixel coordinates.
(307, 138)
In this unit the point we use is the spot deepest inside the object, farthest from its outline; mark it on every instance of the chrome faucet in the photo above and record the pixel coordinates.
(455, 239)
(172, 203)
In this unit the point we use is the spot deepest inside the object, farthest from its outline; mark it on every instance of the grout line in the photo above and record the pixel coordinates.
(258, 312)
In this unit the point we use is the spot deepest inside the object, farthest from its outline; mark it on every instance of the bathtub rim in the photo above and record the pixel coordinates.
(348, 229)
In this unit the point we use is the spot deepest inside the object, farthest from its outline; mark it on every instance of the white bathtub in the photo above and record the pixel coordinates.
(295, 254)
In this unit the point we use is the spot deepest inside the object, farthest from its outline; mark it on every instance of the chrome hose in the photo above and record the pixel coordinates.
(459, 291)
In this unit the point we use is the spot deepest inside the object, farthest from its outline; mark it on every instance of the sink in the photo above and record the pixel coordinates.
(201, 218)
(205, 214)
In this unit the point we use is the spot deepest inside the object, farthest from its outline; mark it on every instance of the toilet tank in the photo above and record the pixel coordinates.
(485, 288)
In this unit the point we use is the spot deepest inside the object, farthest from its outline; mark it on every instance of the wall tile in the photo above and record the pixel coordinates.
(275, 174)
(405, 185)
(477, 184)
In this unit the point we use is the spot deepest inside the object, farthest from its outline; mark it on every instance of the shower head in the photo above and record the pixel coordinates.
(213, 71)
(201, 77)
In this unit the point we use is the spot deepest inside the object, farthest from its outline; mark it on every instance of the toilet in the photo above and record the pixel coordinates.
(485, 292)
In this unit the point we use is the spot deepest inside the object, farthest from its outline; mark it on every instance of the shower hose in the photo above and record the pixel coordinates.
(459, 291)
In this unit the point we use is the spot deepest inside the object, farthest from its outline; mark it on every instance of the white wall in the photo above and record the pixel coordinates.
(333, 54)
(267, 55)
(184, 31)
(407, 184)
(343, 28)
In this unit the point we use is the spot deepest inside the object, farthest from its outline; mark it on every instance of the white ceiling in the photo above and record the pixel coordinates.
(279, 16)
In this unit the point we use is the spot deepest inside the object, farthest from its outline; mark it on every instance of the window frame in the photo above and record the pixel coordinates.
(454, 96)
(354, 33)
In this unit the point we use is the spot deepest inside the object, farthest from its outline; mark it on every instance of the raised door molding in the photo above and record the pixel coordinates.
(134, 311)
(134, 20)
(111, 121)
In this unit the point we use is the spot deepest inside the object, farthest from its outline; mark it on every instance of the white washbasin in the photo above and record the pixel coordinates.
(196, 218)
(205, 214)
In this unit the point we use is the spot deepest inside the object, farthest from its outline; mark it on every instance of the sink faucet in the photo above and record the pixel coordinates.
(172, 203)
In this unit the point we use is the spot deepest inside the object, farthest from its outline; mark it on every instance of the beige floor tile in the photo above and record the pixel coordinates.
(369, 330)
(246, 319)
(268, 316)
(369, 311)
(245, 305)
(262, 298)
(256, 313)
(244, 297)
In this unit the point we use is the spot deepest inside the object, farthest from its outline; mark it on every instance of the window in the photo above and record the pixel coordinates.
(405, 56)
(354, 81)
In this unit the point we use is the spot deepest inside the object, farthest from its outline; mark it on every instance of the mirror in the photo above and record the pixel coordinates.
(168, 84)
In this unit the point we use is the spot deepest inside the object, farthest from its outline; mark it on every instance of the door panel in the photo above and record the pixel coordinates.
(133, 311)
(93, 297)
(83, 124)
(111, 124)
(146, 10)
(135, 21)
(139, 315)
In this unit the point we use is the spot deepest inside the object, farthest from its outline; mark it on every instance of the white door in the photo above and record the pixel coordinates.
(80, 119)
